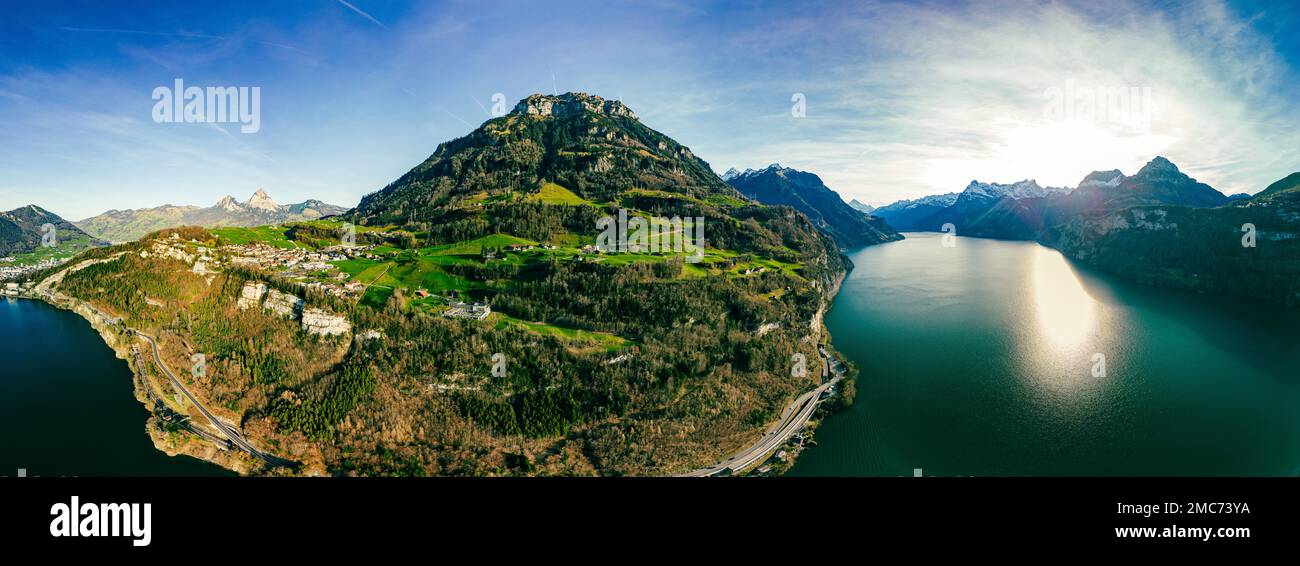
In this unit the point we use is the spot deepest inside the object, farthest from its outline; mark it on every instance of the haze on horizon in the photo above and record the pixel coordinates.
(902, 99)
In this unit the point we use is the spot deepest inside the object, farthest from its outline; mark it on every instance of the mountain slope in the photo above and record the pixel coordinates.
(804, 191)
(129, 225)
(861, 206)
(591, 360)
(21, 231)
(912, 214)
(593, 147)
(1197, 248)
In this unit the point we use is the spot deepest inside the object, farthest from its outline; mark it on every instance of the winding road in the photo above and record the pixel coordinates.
(233, 435)
(793, 419)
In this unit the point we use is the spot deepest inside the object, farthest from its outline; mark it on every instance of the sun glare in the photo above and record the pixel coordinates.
(1066, 313)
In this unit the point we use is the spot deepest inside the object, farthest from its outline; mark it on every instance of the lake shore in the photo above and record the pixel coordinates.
(174, 442)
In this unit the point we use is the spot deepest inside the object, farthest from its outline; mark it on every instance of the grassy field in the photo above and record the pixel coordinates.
(475, 247)
(552, 193)
(269, 235)
(578, 339)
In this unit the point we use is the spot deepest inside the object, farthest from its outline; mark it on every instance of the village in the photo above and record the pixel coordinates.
(15, 272)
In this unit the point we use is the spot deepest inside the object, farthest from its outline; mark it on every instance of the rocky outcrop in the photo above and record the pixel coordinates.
(571, 103)
(283, 304)
(322, 323)
(251, 295)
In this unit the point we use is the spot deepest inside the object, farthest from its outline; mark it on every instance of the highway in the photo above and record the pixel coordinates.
(229, 432)
(793, 419)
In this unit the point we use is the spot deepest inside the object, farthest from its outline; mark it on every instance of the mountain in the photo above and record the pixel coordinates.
(909, 214)
(578, 359)
(594, 148)
(259, 210)
(970, 212)
(1158, 182)
(1287, 184)
(1197, 248)
(22, 230)
(1159, 227)
(776, 185)
(861, 206)
(1024, 210)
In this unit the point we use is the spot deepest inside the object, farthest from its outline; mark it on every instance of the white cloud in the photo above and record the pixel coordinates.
(928, 97)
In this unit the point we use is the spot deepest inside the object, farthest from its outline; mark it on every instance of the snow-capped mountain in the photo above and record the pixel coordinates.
(861, 206)
(806, 193)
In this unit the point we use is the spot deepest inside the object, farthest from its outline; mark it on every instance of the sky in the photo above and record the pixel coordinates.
(900, 100)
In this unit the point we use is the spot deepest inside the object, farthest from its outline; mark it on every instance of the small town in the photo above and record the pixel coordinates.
(14, 272)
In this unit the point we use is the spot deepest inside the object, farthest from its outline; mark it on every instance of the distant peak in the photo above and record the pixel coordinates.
(262, 201)
(571, 103)
(734, 173)
(1159, 165)
(1110, 178)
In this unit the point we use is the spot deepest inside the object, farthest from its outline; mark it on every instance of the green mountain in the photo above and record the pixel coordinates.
(258, 210)
(805, 192)
(1288, 184)
(23, 231)
(580, 358)
(914, 214)
(1196, 248)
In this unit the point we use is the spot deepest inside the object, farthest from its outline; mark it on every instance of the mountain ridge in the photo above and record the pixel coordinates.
(777, 185)
(132, 224)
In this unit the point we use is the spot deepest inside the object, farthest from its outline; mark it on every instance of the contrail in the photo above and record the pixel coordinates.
(363, 14)
(480, 105)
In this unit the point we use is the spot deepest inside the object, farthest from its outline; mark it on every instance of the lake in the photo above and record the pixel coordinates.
(1003, 358)
(68, 404)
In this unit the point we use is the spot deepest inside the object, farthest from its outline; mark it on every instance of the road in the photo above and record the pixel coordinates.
(793, 419)
(229, 432)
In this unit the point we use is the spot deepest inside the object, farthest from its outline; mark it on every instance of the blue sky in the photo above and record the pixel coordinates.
(903, 99)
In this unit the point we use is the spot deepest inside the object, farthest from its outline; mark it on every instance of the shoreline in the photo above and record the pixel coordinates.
(181, 442)
(173, 443)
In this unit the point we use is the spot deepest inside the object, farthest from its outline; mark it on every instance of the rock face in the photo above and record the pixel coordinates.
(591, 146)
(321, 323)
(251, 295)
(571, 103)
(283, 304)
(314, 321)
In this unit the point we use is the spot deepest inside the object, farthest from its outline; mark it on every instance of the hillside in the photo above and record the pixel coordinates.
(862, 207)
(22, 231)
(1196, 248)
(805, 192)
(577, 359)
(258, 210)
